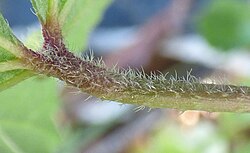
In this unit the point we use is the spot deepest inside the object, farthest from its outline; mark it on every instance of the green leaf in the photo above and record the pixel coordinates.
(23, 137)
(225, 24)
(12, 70)
(5, 55)
(8, 42)
(41, 9)
(34, 111)
(76, 17)
(12, 77)
(34, 40)
(236, 122)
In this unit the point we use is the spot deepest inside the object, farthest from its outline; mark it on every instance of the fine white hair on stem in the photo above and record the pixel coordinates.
(133, 86)
(139, 108)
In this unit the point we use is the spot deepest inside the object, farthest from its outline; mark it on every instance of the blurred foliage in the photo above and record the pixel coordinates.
(10, 78)
(228, 133)
(27, 115)
(77, 18)
(34, 41)
(225, 24)
(82, 137)
(176, 138)
(83, 16)
(9, 51)
(5, 55)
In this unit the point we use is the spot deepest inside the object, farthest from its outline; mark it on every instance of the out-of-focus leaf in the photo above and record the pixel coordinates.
(22, 137)
(5, 55)
(41, 9)
(243, 147)
(11, 73)
(8, 42)
(173, 139)
(34, 41)
(76, 17)
(30, 106)
(79, 17)
(81, 138)
(236, 122)
(11, 70)
(12, 77)
(235, 128)
(225, 24)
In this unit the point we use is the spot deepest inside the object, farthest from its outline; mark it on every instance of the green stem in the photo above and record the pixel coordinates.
(130, 87)
(196, 100)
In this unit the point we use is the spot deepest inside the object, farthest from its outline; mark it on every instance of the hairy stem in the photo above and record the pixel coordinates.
(215, 99)
(128, 86)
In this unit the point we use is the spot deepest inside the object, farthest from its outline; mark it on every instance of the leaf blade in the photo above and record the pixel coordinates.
(76, 18)
(8, 41)
(12, 70)
(5, 55)
(81, 20)
(11, 65)
(12, 77)
(9, 142)
(12, 134)
(41, 9)
(35, 108)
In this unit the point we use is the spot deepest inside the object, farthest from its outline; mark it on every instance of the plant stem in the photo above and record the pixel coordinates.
(130, 87)
(186, 100)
